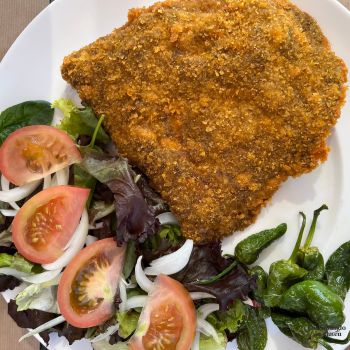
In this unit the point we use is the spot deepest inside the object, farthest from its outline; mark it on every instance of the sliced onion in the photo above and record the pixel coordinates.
(142, 280)
(18, 193)
(97, 226)
(123, 295)
(137, 301)
(205, 310)
(77, 243)
(207, 329)
(110, 330)
(167, 218)
(195, 344)
(9, 212)
(47, 182)
(90, 239)
(201, 295)
(171, 263)
(63, 176)
(5, 186)
(43, 277)
(248, 302)
(44, 327)
(13, 272)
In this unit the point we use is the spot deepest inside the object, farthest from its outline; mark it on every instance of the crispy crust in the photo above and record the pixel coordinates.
(216, 101)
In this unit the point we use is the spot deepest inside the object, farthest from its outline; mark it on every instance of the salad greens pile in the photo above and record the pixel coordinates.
(303, 295)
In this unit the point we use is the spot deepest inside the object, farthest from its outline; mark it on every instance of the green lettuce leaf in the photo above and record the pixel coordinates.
(208, 343)
(18, 263)
(40, 296)
(78, 121)
(24, 114)
(230, 320)
(127, 323)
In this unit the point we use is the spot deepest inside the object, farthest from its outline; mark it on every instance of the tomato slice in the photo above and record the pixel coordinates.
(168, 321)
(32, 152)
(89, 284)
(45, 223)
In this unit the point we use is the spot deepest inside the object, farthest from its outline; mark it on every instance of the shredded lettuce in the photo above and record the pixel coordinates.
(38, 296)
(127, 323)
(208, 343)
(78, 121)
(18, 263)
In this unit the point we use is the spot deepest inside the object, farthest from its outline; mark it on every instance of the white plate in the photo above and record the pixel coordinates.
(31, 70)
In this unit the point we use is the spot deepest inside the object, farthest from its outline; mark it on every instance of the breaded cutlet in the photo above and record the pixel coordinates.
(216, 101)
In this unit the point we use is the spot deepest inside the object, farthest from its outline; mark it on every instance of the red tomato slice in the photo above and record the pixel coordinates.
(45, 223)
(89, 284)
(32, 152)
(168, 321)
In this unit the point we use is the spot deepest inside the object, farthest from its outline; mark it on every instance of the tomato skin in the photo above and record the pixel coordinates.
(64, 218)
(171, 292)
(105, 310)
(32, 152)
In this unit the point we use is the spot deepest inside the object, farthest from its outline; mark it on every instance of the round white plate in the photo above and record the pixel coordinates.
(31, 70)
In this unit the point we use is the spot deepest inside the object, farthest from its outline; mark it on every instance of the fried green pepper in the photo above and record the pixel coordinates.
(338, 270)
(261, 280)
(318, 301)
(300, 329)
(309, 257)
(253, 334)
(283, 273)
(248, 250)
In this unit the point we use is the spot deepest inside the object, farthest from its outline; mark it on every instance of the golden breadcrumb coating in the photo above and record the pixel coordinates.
(216, 101)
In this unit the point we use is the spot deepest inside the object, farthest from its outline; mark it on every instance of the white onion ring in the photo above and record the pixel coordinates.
(44, 277)
(63, 176)
(207, 329)
(137, 301)
(97, 226)
(195, 344)
(44, 327)
(142, 280)
(5, 186)
(9, 212)
(77, 243)
(19, 193)
(110, 330)
(47, 182)
(90, 239)
(205, 310)
(201, 295)
(167, 218)
(123, 295)
(171, 263)
(13, 272)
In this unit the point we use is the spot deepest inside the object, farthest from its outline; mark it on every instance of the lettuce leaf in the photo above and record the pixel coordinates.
(40, 296)
(78, 121)
(24, 114)
(17, 262)
(231, 320)
(136, 220)
(235, 285)
(208, 343)
(127, 323)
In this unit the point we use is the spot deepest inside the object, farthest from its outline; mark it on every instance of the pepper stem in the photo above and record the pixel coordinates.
(97, 128)
(338, 341)
(300, 236)
(325, 344)
(311, 233)
(220, 275)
